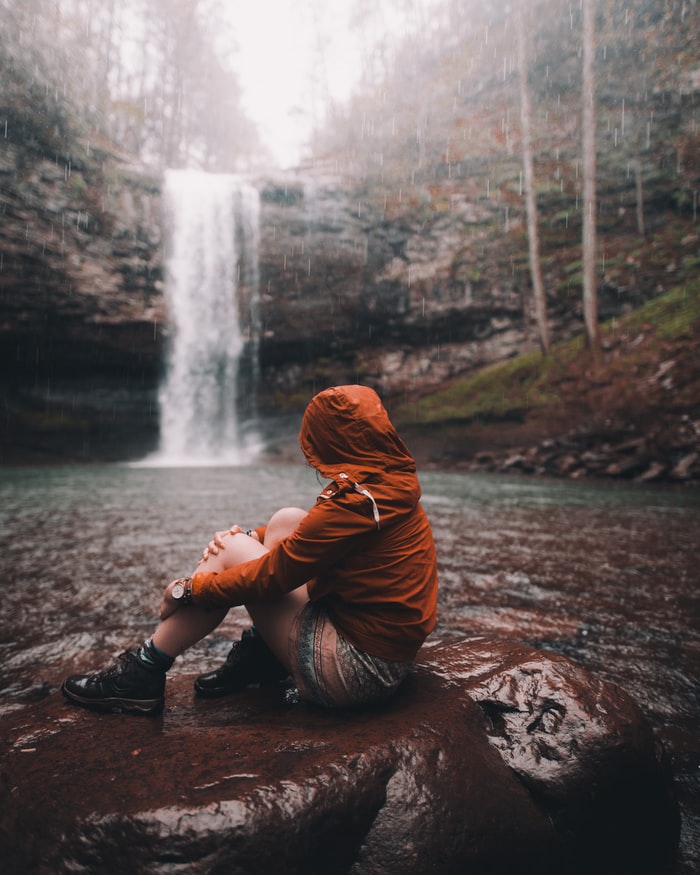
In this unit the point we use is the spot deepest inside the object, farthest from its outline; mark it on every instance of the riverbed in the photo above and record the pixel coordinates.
(607, 574)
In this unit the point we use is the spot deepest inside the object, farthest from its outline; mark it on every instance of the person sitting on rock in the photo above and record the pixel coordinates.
(341, 596)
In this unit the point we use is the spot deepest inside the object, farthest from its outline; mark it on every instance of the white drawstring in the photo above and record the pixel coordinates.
(364, 491)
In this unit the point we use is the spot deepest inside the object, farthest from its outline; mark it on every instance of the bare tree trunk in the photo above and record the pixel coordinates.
(590, 291)
(641, 227)
(530, 194)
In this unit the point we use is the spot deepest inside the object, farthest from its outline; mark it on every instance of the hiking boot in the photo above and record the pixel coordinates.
(249, 662)
(130, 686)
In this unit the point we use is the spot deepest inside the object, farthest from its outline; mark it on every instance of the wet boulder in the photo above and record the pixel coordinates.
(492, 758)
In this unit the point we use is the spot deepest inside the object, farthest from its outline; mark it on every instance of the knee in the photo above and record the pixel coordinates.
(283, 523)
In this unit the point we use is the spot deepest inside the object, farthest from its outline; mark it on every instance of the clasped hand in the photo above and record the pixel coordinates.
(217, 542)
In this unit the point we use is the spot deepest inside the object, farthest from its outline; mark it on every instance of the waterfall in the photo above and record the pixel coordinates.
(211, 263)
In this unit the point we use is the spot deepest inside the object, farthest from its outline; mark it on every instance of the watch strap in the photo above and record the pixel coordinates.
(186, 598)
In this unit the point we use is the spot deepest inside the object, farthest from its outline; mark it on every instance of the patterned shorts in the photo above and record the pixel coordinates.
(330, 671)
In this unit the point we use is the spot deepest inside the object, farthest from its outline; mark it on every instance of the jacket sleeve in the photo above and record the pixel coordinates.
(323, 538)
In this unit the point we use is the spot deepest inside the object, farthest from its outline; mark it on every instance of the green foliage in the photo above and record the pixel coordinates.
(78, 184)
(502, 391)
(672, 316)
(513, 389)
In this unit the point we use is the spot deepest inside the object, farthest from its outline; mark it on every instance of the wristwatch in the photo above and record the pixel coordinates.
(182, 590)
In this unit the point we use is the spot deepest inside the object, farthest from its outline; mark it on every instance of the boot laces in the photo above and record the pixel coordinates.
(126, 662)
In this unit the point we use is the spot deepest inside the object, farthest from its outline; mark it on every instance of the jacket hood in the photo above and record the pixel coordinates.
(346, 430)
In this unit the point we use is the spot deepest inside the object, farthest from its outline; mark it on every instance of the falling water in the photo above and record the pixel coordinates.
(212, 253)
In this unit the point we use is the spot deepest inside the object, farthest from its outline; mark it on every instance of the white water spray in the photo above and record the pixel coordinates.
(213, 220)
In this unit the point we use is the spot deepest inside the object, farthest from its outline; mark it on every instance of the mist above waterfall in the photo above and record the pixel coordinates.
(211, 220)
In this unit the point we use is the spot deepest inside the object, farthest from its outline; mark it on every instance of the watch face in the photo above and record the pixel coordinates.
(177, 591)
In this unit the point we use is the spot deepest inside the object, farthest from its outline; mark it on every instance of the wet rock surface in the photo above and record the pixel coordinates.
(493, 757)
(589, 456)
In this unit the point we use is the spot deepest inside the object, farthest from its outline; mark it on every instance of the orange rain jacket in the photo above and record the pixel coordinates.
(365, 547)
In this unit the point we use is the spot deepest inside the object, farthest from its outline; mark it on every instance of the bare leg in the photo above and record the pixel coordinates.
(282, 523)
(190, 624)
(274, 620)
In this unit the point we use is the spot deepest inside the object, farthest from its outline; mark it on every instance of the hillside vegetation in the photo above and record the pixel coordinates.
(631, 409)
(441, 128)
(436, 131)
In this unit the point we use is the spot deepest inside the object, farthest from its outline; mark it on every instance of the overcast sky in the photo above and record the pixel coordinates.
(284, 45)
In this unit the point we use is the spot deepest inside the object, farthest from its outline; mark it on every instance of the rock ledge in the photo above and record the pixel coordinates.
(492, 757)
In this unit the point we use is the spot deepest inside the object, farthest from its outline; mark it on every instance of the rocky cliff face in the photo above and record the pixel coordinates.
(345, 294)
(350, 292)
(401, 296)
(81, 303)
